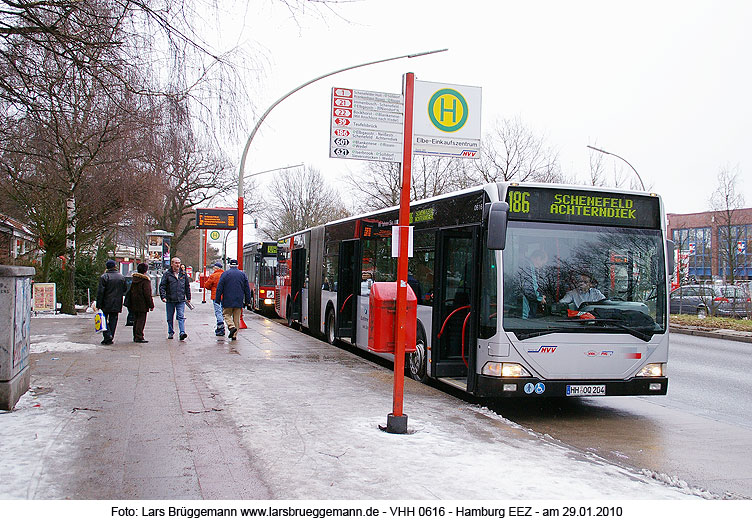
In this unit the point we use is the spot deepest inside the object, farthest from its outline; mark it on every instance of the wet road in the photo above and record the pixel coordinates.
(701, 432)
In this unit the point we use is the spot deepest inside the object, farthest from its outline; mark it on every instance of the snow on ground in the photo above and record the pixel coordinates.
(317, 436)
(310, 417)
(63, 346)
(28, 436)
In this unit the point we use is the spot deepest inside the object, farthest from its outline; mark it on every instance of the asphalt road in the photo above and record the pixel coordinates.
(701, 432)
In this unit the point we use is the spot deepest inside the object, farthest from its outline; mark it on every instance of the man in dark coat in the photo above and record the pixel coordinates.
(175, 291)
(140, 301)
(233, 292)
(110, 299)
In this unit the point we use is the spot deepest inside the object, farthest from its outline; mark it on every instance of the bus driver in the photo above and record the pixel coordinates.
(583, 292)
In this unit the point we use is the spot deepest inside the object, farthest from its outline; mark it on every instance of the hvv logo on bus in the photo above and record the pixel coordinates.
(543, 349)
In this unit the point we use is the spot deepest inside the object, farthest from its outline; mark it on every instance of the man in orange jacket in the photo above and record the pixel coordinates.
(211, 284)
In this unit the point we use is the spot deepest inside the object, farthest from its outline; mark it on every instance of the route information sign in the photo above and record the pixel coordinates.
(220, 218)
(366, 125)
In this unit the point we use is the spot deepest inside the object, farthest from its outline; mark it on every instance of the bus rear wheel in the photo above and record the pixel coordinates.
(288, 315)
(329, 327)
(417, 362)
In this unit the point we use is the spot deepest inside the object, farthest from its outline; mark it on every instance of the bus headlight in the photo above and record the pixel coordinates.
(651, 370)
(505, 370)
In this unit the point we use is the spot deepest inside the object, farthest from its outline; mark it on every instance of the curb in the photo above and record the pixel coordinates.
(743, 337)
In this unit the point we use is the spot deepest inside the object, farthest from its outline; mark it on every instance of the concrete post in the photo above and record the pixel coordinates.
(15, 329)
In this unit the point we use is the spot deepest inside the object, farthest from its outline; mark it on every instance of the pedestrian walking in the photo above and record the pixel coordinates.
(211, 284)
(110, 294)
(175, 291)
(233, 292)
(141, 301)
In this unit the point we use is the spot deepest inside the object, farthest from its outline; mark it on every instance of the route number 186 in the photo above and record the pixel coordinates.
(518, 201)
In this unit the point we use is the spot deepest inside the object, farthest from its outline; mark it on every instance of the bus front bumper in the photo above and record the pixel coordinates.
(492, 387)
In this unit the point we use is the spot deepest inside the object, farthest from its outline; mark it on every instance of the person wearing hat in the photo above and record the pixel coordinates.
(233, 292)
(110, 299)
(211, 284)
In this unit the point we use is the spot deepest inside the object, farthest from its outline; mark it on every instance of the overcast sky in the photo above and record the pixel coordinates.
(666, 85)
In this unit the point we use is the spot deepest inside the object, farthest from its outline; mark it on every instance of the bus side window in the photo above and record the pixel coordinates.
(422, 264)
(331, 262)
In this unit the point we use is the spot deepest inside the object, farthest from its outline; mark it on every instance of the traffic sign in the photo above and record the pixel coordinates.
(366, 125)
(446, 120)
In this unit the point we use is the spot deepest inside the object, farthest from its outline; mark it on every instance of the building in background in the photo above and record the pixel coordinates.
(18, 245)
(708, 245)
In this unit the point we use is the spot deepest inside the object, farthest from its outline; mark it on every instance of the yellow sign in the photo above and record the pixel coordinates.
(214, 235)
(447, 110)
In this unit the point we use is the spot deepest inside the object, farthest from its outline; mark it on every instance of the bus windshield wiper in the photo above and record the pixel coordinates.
(645, 336)
(534, 333)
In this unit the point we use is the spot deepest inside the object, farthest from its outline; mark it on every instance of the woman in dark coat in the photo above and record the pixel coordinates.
(140, 302)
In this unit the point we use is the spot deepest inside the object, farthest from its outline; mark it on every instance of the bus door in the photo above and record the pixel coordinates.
(453, 340)
(297, 282)
(348, 288)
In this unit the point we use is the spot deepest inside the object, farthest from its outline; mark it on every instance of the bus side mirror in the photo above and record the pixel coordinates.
(497, 225)
(671, 250)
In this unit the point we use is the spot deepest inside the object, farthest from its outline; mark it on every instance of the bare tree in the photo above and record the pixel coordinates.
(189, 171)
(299, 199)
(597, 178)
(726, 202)
(620, 177)
(512, 151)
(74, 150)
(379, 185)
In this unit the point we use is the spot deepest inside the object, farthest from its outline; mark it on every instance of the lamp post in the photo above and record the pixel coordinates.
(241, 171)
(625, 161)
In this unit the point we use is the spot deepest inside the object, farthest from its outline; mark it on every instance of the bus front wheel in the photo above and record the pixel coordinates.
(329, 327)
(417, 361)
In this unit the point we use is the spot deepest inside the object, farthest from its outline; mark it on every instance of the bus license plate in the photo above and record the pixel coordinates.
(586, 390)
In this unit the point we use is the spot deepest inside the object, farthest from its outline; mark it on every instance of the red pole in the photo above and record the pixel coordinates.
(240, 251)
(203, 269)
(240, 232)
(397, 422)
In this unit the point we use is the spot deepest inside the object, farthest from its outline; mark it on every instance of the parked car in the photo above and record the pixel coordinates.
(705, 299)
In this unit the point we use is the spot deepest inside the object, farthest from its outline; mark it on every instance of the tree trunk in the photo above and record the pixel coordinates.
(68, 303)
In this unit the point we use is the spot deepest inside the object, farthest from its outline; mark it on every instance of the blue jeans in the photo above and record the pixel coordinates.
(218, 314)
(178, 307)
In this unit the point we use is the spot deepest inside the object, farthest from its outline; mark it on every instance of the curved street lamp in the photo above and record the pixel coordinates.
(625, 161)
(241, 171)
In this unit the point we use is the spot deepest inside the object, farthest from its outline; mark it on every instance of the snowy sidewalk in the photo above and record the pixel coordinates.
(276, 414)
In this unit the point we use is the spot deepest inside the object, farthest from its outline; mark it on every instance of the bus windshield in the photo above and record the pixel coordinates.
(579, 278)
(267, 271)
